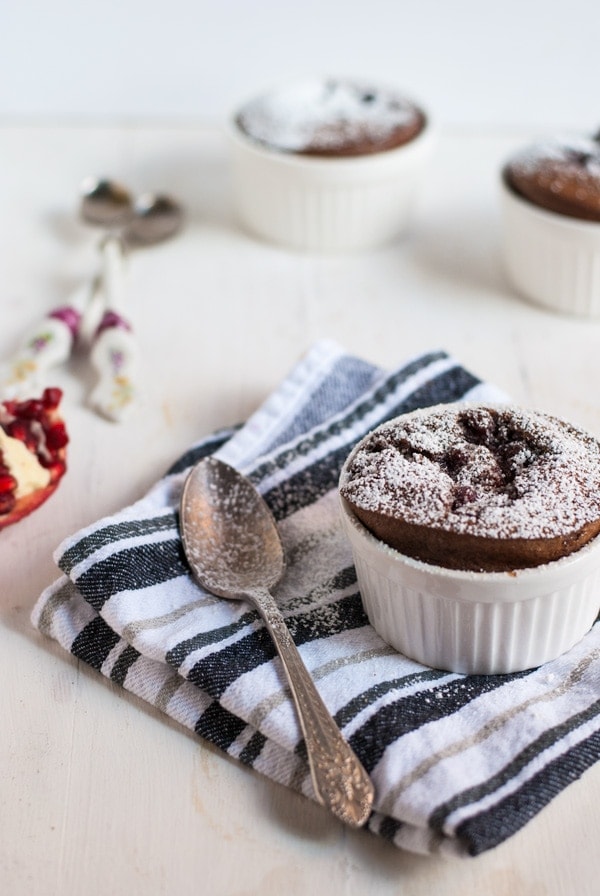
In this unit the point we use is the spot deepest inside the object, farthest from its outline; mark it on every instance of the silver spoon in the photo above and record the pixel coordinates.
(94, 312)
(105, 203)
(49, 341)
(130, 223)
(155, 218)
(149, 219)
(232, 545)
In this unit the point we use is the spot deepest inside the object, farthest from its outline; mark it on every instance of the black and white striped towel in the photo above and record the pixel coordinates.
(459, 763)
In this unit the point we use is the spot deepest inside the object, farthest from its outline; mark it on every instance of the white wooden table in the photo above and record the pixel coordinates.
(98, 793)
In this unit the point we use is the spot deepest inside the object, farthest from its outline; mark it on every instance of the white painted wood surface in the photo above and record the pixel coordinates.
(98, 793)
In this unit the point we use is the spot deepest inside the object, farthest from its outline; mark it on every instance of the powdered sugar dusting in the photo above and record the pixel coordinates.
(582, 154)
(324, 114)
(507, 473)
(560, 175)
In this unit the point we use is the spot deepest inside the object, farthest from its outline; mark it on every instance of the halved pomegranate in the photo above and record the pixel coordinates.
(33, 440)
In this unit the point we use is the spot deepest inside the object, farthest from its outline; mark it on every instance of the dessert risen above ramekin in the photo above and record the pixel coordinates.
(328, 165)
(551, 224)
(465, 620)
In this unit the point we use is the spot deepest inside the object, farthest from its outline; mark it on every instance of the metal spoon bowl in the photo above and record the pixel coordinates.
(105, 203)
(233, 547)
(228, 555)
(155, 218)
(151, 218)
(104, 327)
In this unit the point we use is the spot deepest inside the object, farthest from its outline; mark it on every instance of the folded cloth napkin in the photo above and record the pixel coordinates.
(459, 762)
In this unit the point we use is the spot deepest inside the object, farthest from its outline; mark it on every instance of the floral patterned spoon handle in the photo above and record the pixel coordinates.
(45, 345)
(114, 353)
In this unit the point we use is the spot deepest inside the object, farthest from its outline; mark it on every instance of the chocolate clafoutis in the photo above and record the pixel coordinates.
(477, 487)
(559, 175)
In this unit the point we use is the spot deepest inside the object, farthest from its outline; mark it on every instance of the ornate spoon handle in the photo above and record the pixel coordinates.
(339, 779)
(45, 345)
(114, 353)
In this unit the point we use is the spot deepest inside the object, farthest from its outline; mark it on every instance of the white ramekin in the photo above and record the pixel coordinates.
(327, 204)
(475, 622)
(551, 259)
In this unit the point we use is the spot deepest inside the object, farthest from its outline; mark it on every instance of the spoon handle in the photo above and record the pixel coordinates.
(114, 353)
(45, 345)
(340, 781)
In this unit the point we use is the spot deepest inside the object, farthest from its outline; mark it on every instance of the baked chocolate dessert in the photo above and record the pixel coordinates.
(477, 488)
(561, 176)
(331, 118)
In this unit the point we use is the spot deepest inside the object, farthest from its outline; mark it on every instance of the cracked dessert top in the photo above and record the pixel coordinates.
(331, 117)
(562, 176)
(503, 473)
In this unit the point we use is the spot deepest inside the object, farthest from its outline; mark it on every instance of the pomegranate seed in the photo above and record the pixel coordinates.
(17, 430)
(8, 483)
(31, 409)
(21, 429)
(56, 436)
(51, 398)
(56, 468)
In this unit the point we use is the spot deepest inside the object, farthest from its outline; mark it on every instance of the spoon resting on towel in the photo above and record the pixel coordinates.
(233, 547)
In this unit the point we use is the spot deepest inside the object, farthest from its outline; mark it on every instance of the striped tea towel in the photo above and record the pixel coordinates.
(459, 762)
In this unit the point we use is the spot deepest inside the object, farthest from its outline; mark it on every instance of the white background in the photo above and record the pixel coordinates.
(531, 64)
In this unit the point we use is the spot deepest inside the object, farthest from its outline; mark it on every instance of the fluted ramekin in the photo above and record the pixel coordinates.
(318, 204)
(475, 622)
(551, 259)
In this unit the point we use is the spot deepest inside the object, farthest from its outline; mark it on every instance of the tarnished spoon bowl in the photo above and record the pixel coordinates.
(155, 218)
(232, 545)
(229, 534)
(105, 203)
(145, 221)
